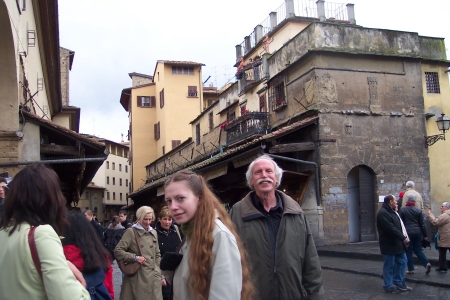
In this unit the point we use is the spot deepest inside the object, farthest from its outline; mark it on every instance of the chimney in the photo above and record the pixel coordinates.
(273, 20)
(351, 13)
(238, 52)
(247, 44)
(290, 11)
(258, 33)
(321, 10)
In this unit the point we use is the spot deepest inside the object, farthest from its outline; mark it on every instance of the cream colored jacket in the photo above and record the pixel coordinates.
(19, 278)
(443, 224)
(226, 275)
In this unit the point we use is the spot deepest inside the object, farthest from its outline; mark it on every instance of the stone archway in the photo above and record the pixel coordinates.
(361, 201)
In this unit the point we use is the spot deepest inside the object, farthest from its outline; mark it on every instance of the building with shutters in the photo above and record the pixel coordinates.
(160, 108)
(344, 116)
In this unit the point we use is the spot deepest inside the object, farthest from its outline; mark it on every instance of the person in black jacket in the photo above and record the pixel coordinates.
(123, 218)
(169, 237)
(393, 241)
(98, 228)
(113, 234)
(413, 219)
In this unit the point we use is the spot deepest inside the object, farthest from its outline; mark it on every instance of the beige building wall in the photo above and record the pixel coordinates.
(143, 144)
(117, 176)
(437, 103)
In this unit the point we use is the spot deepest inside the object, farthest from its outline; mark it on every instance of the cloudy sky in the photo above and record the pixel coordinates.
(112, 38)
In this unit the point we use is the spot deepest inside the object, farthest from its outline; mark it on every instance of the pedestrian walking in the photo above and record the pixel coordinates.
(393, 241)
(123, 218)
(415, 227)
(113, 234)
(443, 224)
(141, 247)
(274, 229)
(83, 249)
(98, 228)
(410, 189)
(34, 214)
(169, 238)
(213, 265)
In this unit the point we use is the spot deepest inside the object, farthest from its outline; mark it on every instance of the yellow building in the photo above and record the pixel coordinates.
(436, 94)
(160, 108)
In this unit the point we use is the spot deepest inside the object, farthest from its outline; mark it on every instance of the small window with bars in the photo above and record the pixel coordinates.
(197, 134)
(432, 82)
(262, 103)
(211, 121)
(277, 96)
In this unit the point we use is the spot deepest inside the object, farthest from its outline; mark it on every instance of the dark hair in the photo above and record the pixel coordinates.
(388, 198)
(79, 232)
(123, 212)
(3, 179)
(34, 197)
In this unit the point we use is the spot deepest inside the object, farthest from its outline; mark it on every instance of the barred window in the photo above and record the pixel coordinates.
(432, 82)
(262, 103)
(277, 96)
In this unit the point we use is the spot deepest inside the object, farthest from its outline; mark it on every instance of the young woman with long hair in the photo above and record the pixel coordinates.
(83, 248)
(214, 264)
(35, 200)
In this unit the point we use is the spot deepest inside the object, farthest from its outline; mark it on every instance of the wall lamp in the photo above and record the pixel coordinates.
(443, 124)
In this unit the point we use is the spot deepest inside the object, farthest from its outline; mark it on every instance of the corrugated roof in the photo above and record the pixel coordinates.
(277, 133)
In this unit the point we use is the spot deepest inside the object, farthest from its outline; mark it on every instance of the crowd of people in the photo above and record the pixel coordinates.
(262, 249)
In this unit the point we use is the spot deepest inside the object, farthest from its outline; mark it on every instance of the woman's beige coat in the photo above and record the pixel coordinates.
(146, 283)
(443, 224)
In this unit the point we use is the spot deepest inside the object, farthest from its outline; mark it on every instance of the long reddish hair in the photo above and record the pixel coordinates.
(202, 239)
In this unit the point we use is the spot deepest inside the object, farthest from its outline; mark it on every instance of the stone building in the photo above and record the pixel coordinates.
(339, 106)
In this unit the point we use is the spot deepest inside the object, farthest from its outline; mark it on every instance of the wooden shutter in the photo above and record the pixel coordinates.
(155, 131)
(139, 101)
(152, 101)
(175, 143)
(161, 98)
(192, 91)
(211, 121)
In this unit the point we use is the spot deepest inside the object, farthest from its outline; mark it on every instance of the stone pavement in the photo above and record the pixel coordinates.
(117, 280)
(365, 259)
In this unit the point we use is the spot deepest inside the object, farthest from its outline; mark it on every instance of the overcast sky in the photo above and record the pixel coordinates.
(112, 38)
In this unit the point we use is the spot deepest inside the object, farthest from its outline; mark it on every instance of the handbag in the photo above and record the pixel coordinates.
(131, 268)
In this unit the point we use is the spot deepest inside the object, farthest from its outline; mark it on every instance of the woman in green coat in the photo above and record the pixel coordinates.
(146, 283)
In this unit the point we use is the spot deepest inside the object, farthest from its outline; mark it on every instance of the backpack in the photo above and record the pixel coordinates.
(95, 285)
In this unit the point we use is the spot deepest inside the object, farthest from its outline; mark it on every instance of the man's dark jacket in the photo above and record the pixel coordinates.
(98, 229)
(390, 231)
(296, 271)
(127, 224)
(413, 220)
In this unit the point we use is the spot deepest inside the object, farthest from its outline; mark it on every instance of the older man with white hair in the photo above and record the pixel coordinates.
(276, 235)
(410, 190)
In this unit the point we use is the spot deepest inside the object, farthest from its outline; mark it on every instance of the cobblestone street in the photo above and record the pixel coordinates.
(117, 280)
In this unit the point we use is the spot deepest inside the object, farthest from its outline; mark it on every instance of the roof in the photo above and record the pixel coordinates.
(93, 186)
(140, 75)
(231, 151)
(30, 117)
(236, 101)
(126, 94)
(181, 62)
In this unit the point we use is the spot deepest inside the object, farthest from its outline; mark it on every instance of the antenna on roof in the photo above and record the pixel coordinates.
(122, 136)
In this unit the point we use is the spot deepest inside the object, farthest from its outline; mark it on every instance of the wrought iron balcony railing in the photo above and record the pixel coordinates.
(249, 124)
(251, 74)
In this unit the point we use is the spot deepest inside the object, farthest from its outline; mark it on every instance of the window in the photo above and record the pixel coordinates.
(107, 179)
(120, 196)
(192, 91)
(120, 181)
(120, 167)
(113, 166)
(262, 103)
(183, 70)
(107, 164)
(432, 82)
(126, 182)
(161, 98)
(114, 180)
(277, 96)
(175, 143)
(114, 195)
(146, 101)
(197, 134)
(156, 131)
(107, 195)
(243, 109)
(163, 150)
(231, 115)
(126, 169)
(211, 121)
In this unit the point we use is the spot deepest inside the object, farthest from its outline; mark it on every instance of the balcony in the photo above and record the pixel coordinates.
(250, 75)
(249, 124)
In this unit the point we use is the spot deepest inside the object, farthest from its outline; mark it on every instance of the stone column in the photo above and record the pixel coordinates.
(273, 20)
(351, 13)
(321, 10)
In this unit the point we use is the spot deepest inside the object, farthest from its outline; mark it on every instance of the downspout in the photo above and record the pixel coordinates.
(298, 161)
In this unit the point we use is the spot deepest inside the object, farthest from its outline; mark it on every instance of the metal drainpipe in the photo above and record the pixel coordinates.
(54, 161)
(304, 162)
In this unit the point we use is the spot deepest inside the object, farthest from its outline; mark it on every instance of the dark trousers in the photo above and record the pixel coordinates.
(443, 257)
